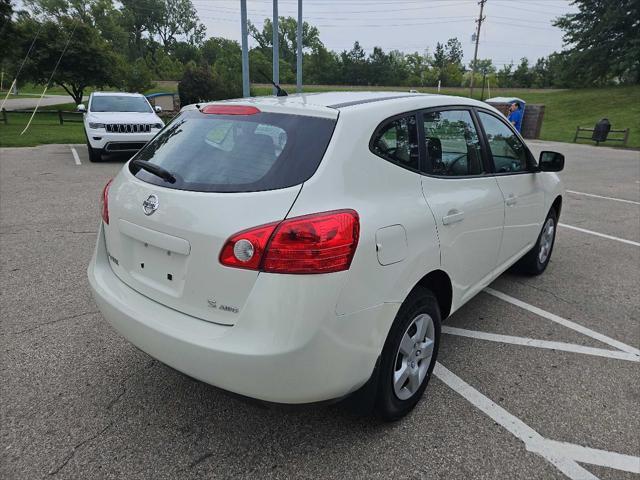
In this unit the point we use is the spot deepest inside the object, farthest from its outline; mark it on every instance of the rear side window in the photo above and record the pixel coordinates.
(237, 153)
(397, 141)
(452, 144)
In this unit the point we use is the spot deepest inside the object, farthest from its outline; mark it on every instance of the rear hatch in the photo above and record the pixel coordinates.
(232, 172)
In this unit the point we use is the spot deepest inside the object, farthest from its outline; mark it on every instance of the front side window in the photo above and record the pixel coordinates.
(397, 141)
(509, 153)
(452, 144)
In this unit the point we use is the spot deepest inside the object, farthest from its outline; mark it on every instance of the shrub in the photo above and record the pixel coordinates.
(200, 83)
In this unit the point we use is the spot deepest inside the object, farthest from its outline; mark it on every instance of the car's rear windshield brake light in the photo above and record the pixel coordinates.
(229, 110)
(318, 243)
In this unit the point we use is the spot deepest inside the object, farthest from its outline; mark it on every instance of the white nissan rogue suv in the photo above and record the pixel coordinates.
(299, 249)
(118, 122)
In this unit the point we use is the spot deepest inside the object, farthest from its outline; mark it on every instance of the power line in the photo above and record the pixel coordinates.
(312, 13)
(50, 77)
(22, 64)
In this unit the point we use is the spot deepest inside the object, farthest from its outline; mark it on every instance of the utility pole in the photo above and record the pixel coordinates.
(299, 52)
(245, 49)
(475, 53)
(276, 47)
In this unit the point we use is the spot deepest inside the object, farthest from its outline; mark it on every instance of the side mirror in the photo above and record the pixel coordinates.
(158, 108)
(81, 108)
(551, 162)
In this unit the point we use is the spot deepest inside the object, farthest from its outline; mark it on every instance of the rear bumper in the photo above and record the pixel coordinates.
(286, 346)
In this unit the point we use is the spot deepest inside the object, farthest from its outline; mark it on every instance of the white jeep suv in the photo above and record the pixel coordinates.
(299, 249)
(118, 122)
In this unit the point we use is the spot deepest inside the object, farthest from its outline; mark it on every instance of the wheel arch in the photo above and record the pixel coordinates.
(438, 282)
(557, 206)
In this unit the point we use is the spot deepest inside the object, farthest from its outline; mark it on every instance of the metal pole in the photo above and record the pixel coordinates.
(299, 54)
(475, 53)
(276, 47)
(246, 92)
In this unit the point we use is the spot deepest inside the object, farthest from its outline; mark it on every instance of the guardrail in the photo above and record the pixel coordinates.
(63, 115)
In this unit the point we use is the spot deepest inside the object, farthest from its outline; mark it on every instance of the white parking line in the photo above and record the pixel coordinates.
(563, 321)
(603, 197)
(593, 456)
(564, 456)
(532, 440)
(76, 158)
(531, 342)
(598, 234)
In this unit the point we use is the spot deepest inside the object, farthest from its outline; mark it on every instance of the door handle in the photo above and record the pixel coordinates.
(511, 200)
(453, 216)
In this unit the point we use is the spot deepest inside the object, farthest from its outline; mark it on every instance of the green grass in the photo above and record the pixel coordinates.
(44, 129)
(567, 109)
(564, 111)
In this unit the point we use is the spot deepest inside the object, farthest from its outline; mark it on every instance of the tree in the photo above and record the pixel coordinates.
(197, 84)
(88, 60)
(140, 17)
(417, 67)
(322, 66)
(179, 18)
(354, 65)
(505, 76)
(136, 76)
(604, 40)
(439, 56)
(201, 83)
(7, 31)
(287, 37)
(219, 49)
(522, 75)
(454, 53)
(78, 9)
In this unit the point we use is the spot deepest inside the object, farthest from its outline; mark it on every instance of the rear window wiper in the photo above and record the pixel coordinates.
(157, 170)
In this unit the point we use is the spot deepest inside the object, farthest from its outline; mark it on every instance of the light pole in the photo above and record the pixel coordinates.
(246, 92)
(299, 53)
(276, 47)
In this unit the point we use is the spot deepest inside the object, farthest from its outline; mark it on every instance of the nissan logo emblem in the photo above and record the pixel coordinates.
(151, 204)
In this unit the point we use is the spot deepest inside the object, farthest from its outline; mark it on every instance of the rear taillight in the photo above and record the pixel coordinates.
(318, 243)
(105, 202)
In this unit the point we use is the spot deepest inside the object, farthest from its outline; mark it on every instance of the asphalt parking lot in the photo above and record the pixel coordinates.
(537, 377)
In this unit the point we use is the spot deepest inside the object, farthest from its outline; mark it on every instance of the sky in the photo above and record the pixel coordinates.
(512, 29)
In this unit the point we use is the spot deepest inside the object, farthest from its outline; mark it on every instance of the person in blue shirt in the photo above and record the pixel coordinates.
(515, 116)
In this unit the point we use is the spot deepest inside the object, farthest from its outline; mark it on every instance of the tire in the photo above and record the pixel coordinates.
(536, 260)
(420, 311)
(95, 154)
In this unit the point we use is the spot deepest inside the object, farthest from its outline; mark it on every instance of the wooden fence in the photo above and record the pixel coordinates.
(63, 115)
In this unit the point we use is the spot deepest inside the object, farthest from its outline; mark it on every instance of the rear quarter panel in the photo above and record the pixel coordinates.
(383, 194)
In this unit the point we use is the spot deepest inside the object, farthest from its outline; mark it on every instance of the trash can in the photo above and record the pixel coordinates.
(601, 131)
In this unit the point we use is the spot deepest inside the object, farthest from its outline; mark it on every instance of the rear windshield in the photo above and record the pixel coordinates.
(114, 103)
(237, 153)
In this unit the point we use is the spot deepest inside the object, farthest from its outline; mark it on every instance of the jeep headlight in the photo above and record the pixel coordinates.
(94, 125)
(158, 125)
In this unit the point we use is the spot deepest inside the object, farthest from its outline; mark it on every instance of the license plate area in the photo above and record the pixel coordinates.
(156, 267)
